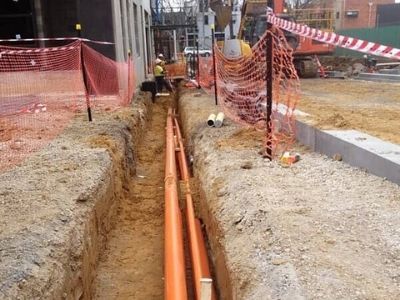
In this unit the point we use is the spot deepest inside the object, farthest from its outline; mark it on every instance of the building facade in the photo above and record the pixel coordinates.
(205, 21)
(126, 23)
(357, 13)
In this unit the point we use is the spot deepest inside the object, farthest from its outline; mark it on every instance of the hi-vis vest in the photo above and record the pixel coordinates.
(158, 71)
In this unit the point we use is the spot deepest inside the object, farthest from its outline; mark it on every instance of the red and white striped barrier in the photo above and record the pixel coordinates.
(335, 39)
(37, 50)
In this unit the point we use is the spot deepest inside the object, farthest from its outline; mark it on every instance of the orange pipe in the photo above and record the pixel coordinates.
(197, 251)
(205, 266)
(174, 259)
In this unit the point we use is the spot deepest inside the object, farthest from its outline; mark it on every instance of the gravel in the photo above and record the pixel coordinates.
(317, 230)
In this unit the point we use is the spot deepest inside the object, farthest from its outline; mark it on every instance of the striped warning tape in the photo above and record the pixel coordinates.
(335, 39)
(36, 50)
(57, 39)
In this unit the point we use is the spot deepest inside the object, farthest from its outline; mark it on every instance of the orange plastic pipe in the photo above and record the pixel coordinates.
(197, 252)
(174, 259)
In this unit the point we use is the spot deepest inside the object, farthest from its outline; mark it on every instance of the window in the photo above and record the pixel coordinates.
(337, 15)
(17, 19)
(137, 33)
(205, 20)
(352, 13)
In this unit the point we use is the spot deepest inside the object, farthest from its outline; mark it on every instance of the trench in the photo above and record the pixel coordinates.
(131, 266)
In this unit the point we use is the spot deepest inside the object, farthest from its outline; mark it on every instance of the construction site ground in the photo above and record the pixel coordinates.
(317, 230)
(371, 107)
(83, 218)
(58, 207)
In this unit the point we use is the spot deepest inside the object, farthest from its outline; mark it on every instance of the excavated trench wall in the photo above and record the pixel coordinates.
(195, 131)
(58, 206)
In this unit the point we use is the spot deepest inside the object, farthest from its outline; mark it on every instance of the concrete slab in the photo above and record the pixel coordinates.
(356, 148)
(370, 143)
(378, 77)
(390, 71)
(335, 74)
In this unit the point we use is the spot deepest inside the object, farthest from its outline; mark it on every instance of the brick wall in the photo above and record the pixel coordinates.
(366, 14)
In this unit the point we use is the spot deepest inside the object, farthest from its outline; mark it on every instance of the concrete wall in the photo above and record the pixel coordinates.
(131, 36)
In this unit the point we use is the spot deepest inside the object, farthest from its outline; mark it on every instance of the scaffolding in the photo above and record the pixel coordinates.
(320, 18)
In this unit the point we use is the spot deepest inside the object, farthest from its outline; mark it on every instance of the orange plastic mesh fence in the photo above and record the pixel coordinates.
(176, 69)
(206, 71)
(241, 88)
(41, 90)
(109, 83)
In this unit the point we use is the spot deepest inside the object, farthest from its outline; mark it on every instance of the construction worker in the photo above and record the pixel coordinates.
(159, 74)
(162, 58)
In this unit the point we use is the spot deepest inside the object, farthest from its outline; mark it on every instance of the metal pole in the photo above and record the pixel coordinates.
(175, 56)
(192, 71)
(198, 62)
(214, 64)
(269, 77)
(89, 109)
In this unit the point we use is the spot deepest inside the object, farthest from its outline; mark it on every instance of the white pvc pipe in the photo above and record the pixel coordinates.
(211, 120)
(219, 120)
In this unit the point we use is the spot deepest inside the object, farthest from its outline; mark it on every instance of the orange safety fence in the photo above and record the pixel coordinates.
(42, 89)
(176, 69)
(241, 88)
(206, 71)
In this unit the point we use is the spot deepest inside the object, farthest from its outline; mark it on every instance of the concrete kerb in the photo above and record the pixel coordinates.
(379, 77)
(355, 148)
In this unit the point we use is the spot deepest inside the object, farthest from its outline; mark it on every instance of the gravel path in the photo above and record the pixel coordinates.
(317, 230)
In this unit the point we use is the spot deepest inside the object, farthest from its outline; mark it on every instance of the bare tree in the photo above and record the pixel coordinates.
(300, 3)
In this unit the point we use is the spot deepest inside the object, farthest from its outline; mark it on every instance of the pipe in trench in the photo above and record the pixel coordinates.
(198, 252)
(174, 259)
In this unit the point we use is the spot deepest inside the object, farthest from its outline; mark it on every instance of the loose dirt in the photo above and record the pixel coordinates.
(317, 230)
(132, 265)
(371, 107)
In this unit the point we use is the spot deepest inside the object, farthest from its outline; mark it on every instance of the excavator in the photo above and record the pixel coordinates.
(254, 23)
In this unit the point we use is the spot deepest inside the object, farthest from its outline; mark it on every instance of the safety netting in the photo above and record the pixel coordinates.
(242, 89)
(42, 89)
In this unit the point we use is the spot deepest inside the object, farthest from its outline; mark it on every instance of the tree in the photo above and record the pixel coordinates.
(300, 3)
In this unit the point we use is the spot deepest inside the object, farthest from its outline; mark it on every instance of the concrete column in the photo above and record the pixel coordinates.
(175, 56)
(39, 21)
(116, 12)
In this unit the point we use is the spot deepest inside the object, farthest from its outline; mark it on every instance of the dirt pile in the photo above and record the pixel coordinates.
(371, 107)
(57, 207)
(317, 230)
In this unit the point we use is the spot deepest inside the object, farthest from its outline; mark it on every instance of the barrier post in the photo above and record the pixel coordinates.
(269, 77)
(198, 63)
(129, 75)
(214, 64)
(89, 109)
